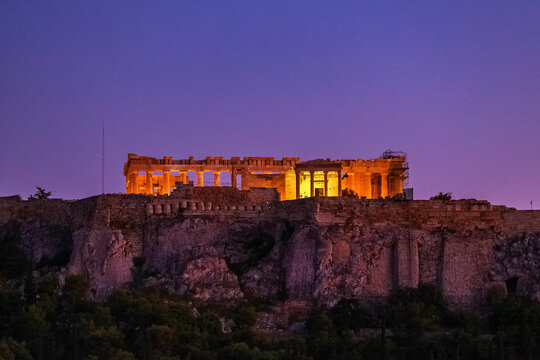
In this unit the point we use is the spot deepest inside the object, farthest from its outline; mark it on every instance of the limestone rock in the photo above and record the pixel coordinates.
(309, 251)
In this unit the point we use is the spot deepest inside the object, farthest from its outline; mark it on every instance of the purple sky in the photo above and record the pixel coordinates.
(455, 84)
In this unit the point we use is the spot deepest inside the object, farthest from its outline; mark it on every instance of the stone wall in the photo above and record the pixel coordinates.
(212, 245)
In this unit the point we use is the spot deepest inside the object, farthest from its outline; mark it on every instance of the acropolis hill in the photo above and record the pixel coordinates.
(223, 244)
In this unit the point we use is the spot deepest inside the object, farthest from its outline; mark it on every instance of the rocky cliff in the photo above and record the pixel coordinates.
(309, 251)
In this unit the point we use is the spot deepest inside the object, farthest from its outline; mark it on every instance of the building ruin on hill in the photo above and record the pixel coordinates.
(294, 179)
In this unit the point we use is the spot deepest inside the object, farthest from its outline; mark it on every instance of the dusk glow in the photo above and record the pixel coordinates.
(455, 85)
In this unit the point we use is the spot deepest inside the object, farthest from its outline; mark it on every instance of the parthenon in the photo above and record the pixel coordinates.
(294, 179)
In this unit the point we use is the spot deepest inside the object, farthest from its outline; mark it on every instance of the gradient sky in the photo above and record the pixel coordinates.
(454, 84)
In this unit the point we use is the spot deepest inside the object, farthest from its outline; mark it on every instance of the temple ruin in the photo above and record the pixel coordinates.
(294, 179)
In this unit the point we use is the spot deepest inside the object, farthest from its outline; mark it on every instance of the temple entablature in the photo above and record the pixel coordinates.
(294, 179)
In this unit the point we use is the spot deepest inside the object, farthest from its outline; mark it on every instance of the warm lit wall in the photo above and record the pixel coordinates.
(333, 183)
(264, 181)
(290, 185)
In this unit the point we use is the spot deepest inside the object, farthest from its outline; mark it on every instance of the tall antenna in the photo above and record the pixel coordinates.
(103, 158)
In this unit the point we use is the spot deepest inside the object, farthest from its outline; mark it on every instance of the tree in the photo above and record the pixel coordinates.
(11, 349)
(440, 196)
(13, 261)
(414, 311)
(245, 317)
(40, 194)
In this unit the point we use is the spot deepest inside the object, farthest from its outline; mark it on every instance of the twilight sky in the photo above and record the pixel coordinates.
(454, 84)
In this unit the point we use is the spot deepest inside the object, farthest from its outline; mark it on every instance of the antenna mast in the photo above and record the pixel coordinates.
(103, 158)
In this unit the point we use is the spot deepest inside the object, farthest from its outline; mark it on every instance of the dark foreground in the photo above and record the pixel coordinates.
(45, 320)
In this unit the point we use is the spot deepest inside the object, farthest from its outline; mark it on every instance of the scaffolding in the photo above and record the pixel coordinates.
(390, 154)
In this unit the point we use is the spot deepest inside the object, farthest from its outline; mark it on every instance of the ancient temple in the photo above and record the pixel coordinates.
(294, 179)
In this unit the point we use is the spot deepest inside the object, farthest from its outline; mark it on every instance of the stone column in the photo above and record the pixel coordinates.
(384, 185)
(217, 179)
(352, 181)
(133, 188)
(325, 183)
(200, 175)
(183, 177)
(234, 182)
(245, 180)
(297, 172)
(339, 182)
(149, 185)
(166, 188)
(367, 181)
(390, 184)
(312, 180)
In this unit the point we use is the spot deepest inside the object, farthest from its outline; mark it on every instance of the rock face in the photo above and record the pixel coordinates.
(309, 251)
(517, 260)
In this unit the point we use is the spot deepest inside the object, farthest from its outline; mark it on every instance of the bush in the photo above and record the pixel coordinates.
(440, 196)
(13, 262)
(245, 317)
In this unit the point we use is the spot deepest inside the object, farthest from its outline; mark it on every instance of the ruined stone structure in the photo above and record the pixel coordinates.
(294, 179)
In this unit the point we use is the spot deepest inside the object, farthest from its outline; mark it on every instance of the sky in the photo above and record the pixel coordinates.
(454, 84)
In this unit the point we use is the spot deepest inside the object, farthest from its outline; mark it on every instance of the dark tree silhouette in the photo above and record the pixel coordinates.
(40, 194)
(440, 196)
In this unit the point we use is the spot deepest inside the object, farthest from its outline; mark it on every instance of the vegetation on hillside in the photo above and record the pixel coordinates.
(40, 194)
(48, 320)
(42, 318)
(440, 196)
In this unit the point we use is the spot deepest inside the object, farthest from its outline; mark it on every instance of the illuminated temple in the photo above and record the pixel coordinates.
(294, 179)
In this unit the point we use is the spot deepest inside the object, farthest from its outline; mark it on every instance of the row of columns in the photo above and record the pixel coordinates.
(133, 188)
(367, 182)
(166, 184)
(312, 185)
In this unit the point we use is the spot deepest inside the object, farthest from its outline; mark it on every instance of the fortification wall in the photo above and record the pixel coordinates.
(223, 245)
